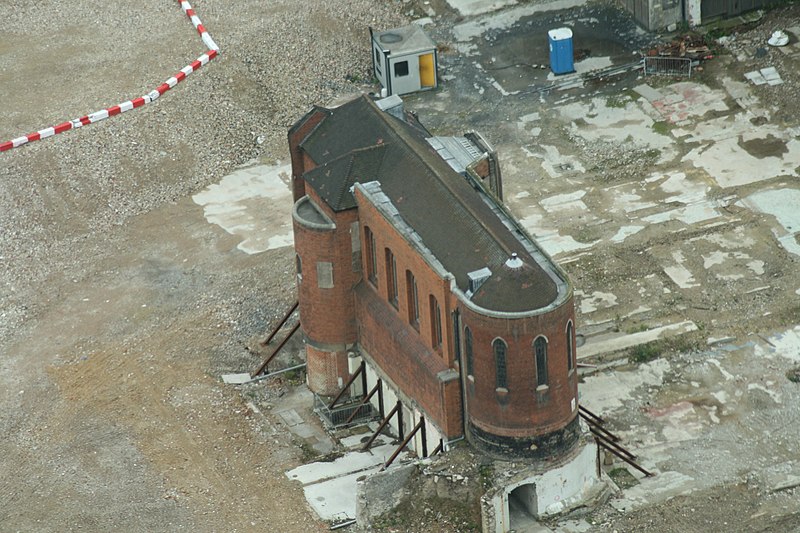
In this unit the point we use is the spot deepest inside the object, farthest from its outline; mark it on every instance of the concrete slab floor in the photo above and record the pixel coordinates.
(330, 486)
(667, 202)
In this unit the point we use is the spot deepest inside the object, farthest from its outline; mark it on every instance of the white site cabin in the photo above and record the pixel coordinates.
(404, 59)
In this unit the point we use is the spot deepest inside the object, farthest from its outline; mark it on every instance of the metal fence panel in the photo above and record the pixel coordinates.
(668, 66)
(337, 417)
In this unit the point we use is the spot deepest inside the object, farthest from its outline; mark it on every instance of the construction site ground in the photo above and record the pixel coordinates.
(145, 256)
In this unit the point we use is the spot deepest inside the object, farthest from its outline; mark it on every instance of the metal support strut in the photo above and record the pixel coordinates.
(420, 425)
(348, 384)
(266, 363)
(364, 401)
(396, 409)
(281, 323)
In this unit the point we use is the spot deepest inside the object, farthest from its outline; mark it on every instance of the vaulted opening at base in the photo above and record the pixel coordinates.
(522, 507)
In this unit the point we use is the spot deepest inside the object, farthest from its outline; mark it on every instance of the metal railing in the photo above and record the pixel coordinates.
(667, 66)
(342, 415)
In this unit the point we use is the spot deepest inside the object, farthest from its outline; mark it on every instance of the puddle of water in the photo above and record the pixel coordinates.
(587, 65)
(721, 153)
(254, 203)
(507, 18)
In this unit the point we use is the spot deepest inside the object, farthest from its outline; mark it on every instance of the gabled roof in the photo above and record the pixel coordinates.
(457, 222)
(334, 180)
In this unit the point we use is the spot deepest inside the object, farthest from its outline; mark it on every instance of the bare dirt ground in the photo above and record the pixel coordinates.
(120, 305)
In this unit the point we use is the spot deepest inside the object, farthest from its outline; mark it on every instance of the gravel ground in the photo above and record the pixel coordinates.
(57, 192)
(119, 304)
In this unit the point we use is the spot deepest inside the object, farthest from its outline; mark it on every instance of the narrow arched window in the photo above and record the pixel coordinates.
(468, 351)
(299, 267)
(436, 322)
(540, 352)
(413, 299)
(372, 260)
(570, 347)
(391, 277)
(500, 348)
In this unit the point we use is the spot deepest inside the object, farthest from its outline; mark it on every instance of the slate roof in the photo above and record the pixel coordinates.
(358, 142)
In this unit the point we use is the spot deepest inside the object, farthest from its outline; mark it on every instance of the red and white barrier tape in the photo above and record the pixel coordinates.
(97, 116)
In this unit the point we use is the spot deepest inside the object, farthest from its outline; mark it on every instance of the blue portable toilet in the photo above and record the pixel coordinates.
(561, 60)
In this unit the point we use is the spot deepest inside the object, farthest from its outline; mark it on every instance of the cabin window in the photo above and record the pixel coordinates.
(401, 69)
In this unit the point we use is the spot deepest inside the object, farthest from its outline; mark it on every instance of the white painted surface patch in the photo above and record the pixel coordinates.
(254, 203)
(602, 393)
(507, 17)
(468, 8)
(784, 205)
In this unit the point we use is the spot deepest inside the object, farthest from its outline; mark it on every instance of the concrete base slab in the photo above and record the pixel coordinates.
(236, 379)
(347, 464)
(304, 431)
(755, 77)
(335, 499)
(652, 490)
(291, 417)
(330, 487)
(648, 92)
(619, 341)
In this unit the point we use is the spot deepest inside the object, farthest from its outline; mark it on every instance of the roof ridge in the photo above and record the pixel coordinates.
(406, 140)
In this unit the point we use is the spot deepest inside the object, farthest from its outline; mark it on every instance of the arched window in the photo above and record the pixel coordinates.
(570, 347)
(299, 266)
(436, 322)
(540, 352)
(468, 351)
(372, 260)
(391, 277)
(501, 373)
(413, 299)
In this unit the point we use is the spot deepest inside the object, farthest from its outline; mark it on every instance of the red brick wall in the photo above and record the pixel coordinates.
(325, 370)
(327, 316)
(428, 282)
(404, 357)
(413, 362)
(299, 132)
(522, 411)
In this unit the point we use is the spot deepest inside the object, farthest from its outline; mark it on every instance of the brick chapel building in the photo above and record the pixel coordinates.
(408, 262)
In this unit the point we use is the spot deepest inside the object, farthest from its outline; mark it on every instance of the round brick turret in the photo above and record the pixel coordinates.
(325, 278)
(528, 411)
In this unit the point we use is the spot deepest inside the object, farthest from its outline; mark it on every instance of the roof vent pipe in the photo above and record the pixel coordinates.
(514, 261)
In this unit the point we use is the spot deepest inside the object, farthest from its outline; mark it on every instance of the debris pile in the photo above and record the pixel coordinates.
(691, 46)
